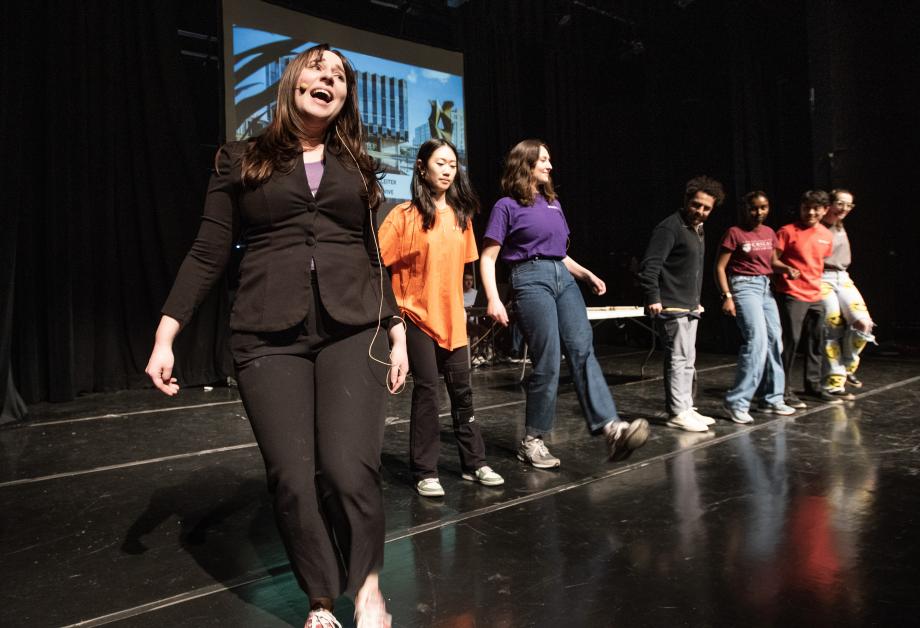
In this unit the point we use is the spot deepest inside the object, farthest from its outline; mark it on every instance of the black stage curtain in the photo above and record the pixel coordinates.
(104, 184)
(106, 196)
(634, 98)
(11, 404)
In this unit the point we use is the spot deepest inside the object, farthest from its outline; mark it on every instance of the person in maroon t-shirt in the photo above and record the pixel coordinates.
(742, 273)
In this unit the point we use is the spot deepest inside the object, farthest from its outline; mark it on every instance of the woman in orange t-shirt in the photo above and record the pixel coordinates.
(426, 243)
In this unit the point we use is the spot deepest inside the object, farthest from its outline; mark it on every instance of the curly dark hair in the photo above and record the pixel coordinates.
(460, 195)
(706, 185)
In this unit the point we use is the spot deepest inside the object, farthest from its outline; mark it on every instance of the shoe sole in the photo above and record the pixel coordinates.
(539, 465)
(471, 478)
(636, 435)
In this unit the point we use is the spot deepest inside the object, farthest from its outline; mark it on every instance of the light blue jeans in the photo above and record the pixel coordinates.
(760, 362)
(551, 313)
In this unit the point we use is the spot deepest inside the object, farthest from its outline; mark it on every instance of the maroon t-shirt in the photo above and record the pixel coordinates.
(752, 251)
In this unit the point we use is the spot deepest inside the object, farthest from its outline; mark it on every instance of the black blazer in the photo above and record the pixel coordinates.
(284, 226)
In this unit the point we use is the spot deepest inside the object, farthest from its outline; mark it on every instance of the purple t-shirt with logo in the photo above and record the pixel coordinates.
(752, 251)
(527, 231)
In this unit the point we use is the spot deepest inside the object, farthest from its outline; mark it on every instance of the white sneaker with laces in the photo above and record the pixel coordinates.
(485, 476)
(430, 487)
(687, 422)
(702, 418)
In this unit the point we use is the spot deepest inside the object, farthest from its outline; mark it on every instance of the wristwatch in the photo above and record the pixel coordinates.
(726, 295)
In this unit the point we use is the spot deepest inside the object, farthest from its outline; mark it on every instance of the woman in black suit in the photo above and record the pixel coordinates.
(310, 359)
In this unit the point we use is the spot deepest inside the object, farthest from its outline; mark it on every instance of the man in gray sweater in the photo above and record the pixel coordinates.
(672, 279)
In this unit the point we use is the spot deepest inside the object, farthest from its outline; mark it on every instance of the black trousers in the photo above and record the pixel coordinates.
(426, 361)
(316, 404)
(802, 319)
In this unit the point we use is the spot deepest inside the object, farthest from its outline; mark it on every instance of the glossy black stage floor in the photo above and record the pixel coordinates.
(143, 511)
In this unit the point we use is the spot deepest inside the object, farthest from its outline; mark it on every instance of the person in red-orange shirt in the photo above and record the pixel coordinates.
(801, 247)
(426, 243)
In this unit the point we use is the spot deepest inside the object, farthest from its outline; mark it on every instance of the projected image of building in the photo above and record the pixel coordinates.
(254, 124)
(384, 104)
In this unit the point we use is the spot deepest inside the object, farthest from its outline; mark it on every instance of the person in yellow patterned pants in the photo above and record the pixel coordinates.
(848, 325)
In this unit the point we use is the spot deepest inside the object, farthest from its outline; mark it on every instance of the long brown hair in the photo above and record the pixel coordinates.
(279, 147)
(517, 178)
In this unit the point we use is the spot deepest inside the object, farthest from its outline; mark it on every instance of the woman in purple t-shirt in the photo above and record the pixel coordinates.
(529, 229)
(743, 271)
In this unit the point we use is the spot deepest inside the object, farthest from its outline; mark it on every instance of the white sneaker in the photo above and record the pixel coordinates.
(702, 418)
(485, 476)
(430, 487)
(738, 416)
(687, 422)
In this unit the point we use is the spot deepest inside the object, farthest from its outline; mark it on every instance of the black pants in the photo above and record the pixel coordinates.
(316, 404)
(426, 361)
(802, 318)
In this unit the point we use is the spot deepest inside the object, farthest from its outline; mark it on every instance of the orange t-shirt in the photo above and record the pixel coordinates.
(427, 269)
(803, 248)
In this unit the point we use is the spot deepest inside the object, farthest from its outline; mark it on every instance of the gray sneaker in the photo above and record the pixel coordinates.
(736, 415)
(624, 437)
(534, 451)
(780, 408)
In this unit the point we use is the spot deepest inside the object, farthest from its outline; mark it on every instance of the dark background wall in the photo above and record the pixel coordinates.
(115, 116)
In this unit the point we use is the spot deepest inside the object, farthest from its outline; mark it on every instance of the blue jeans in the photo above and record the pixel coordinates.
(551, 313)
(760, 361)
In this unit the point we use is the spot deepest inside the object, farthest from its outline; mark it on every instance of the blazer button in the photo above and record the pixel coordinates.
(311, 207)
(311, 240)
